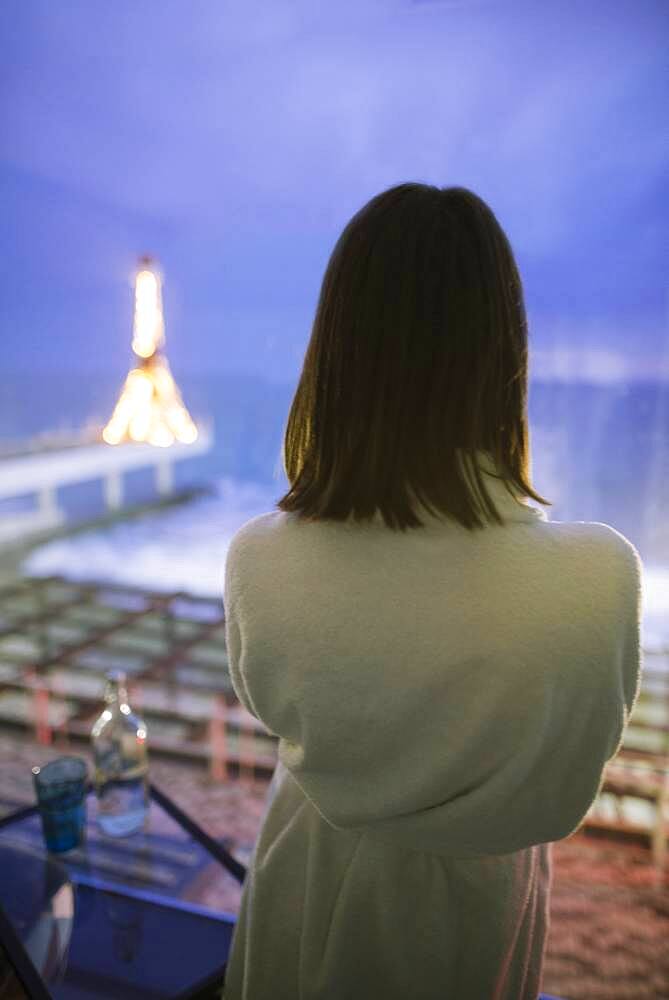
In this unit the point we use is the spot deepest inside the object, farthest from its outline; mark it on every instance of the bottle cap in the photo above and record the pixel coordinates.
(116, 677)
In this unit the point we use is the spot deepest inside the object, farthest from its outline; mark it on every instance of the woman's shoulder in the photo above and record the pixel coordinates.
(596, 535)
(605, 556)
(259, 530)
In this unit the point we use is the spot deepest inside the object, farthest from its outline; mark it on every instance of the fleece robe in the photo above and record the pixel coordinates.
(445, 703)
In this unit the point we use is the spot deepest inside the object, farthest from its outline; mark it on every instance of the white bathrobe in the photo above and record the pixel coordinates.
(446, 702)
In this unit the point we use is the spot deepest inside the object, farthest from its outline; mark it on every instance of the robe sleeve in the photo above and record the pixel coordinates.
(233, 589)
(627, 673)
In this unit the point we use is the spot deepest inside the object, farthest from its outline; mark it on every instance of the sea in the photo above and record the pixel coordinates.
(599, 452)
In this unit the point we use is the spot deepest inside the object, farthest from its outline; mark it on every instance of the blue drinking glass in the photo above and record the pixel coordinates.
(61, 796)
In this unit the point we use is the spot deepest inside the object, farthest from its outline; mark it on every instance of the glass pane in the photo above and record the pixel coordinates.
(105, 912)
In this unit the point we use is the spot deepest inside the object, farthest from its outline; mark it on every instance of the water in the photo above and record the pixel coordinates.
(600, 452)
(122, 805)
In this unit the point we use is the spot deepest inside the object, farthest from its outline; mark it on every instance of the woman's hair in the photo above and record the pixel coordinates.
(418, 351)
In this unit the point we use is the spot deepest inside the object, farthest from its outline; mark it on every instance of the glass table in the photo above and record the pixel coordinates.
(131, 917)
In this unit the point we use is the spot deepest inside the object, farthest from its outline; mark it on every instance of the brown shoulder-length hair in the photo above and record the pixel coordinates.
(418, 351)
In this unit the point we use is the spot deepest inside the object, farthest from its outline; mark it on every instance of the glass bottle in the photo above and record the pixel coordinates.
(121, 762)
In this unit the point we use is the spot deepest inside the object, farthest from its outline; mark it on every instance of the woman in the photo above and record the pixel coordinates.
(448, 671)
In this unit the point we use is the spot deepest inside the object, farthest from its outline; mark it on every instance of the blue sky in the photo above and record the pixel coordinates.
(235, 140)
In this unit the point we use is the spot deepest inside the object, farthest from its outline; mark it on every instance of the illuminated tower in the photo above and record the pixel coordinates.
(150, 407)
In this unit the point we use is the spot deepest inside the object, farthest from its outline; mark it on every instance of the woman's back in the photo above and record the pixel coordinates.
(446, 700)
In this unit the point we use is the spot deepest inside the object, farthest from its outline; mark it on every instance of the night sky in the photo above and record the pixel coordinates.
(235, 140)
